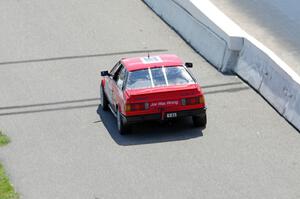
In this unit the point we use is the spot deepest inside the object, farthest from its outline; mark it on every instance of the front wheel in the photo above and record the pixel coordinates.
(200, 121)
(123, 128)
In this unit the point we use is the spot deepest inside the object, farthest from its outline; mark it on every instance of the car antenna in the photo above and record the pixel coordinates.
(148, 55)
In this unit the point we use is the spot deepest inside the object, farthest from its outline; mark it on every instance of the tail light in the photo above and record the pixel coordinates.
(202, 99)
(137, 107)
(193, 100)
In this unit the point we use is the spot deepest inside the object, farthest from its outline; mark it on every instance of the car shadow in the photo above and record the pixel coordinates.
(150, 132)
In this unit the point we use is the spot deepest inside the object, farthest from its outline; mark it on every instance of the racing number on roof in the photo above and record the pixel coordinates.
(149, 60)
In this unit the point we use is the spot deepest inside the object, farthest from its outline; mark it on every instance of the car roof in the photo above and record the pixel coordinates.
(139, 63)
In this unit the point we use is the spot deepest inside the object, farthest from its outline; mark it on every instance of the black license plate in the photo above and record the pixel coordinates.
(171, 115)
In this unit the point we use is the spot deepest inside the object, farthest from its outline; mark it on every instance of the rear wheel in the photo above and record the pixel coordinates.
(104, 101)
(123, 128)
(200, 121)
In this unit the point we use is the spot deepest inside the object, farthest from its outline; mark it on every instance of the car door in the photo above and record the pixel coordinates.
(110, 82)
(117, 87)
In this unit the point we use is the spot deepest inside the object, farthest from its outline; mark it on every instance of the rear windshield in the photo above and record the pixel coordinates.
(155, 77)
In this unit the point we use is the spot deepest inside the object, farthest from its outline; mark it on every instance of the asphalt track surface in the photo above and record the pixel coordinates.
(276, 23)
(64, 147)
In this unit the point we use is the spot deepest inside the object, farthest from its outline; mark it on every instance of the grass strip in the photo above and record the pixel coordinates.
(4, 139)
(6, 189)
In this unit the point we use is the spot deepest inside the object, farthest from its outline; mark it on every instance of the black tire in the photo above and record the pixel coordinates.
(103, 100)
(200, 121)
(123, 128)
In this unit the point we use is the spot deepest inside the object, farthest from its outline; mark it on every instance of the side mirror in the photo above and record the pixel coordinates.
(189, 65)
(105, 73)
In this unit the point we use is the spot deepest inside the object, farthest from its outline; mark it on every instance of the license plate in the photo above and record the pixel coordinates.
(171, 115)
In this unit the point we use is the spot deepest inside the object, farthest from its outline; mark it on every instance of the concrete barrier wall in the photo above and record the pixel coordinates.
(292, 112)
(208, 39)
(271, 77)
(230, 49)
(258, 68)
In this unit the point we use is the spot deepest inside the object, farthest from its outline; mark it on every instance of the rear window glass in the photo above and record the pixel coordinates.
(139, 79)
(178, 75)
(158, 76)
(161, 76)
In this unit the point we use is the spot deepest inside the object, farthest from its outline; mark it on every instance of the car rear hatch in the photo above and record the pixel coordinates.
(164, 99)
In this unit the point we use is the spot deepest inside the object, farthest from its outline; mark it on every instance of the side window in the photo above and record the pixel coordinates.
(117, 71)
(121, 77)
(114, 69)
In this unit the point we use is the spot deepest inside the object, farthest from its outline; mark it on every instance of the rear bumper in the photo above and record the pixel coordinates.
(135, 119)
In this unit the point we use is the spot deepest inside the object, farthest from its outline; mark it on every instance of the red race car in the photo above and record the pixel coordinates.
(152, 88)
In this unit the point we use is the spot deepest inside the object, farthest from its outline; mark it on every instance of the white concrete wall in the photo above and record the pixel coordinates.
(261, 70)
(230, 49)
(219, 46)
